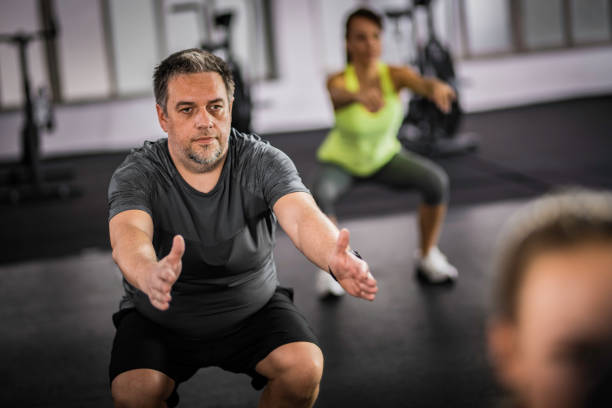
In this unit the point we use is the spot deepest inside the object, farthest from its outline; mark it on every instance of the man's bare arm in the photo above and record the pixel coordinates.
(321, 242)
(131, 235)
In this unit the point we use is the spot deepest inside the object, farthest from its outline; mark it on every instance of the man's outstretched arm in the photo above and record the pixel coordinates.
(321, 242)
(131, 235)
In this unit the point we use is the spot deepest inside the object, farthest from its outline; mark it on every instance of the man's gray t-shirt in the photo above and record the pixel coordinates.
(228, 268)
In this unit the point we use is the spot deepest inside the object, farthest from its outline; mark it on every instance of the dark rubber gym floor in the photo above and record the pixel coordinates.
(414, 346)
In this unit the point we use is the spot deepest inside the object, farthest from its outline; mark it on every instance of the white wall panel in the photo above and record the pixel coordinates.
(81, 45)
(134, 44)
(19, 15)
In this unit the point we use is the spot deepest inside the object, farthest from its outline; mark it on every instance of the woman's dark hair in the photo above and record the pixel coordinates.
(363, 13)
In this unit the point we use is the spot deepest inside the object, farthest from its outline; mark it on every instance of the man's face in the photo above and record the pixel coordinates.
(198, 120)
(563, 332)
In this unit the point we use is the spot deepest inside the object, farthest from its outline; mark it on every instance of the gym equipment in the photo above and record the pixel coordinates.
(28, 179)
(426, 129)
(243, 106)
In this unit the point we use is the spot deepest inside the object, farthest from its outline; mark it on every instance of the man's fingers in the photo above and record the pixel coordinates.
(160, 305)
(166, 273)
(167, 276)
(159, 289)
(162, 287)
(367, 282)
(177, 250)
(368, 288)
(161, 298)
(173, 260)
(343, 241)
(367, 296)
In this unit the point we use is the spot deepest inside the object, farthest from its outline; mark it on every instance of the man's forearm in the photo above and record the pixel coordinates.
(134, 255)
(317, 237)
(310, 230)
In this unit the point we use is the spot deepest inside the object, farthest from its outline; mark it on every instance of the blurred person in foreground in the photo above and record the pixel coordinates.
(550, 331)
(363, 144)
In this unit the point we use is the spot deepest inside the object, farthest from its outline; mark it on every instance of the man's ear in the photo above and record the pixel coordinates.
(162, 118)
(504, 353)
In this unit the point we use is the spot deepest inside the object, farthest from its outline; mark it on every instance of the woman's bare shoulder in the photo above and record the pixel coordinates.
(336, 80)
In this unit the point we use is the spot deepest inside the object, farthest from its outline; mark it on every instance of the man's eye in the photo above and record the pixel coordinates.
(186, 110)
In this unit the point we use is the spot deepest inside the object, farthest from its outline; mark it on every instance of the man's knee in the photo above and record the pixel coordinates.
(141, 387)
(303, 376)
(298, 366)
(307, 369)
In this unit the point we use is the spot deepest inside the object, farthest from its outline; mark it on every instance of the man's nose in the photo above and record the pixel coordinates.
(203, 119)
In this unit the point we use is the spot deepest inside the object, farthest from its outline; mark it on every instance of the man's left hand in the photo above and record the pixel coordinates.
(352, 273)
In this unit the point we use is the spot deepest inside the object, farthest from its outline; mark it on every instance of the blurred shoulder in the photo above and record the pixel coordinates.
(403, 76)
(336, 80)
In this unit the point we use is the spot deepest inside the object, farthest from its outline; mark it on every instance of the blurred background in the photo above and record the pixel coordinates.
(98, 68)
(535, 84)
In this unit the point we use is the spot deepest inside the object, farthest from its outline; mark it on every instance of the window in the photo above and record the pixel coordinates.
(19, 15)
(81, 49)
(108, 48)
(516, 26)
(134, 43)
(488, 26)
(590, 20)
(542, 23)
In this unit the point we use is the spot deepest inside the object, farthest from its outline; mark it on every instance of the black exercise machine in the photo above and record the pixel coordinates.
(29, 179)
(426, 129)
(241, 113)
(243, 106)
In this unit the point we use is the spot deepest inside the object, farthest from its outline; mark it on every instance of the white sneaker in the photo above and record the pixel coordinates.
(435, 267)
(325, 285)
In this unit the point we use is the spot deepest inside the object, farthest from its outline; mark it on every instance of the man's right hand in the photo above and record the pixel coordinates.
(160, 278)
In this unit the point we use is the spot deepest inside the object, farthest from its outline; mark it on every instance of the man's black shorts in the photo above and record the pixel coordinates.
(141, 343)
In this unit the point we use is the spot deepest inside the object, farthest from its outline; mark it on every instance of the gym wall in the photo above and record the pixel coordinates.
(106, 78)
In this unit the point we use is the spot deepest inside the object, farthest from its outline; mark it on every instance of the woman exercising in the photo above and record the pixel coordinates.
(363, 143)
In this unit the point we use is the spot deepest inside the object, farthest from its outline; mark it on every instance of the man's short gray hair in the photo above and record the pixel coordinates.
(190, 61)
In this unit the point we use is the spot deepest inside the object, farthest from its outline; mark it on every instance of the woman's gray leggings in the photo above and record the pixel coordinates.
(405, 170)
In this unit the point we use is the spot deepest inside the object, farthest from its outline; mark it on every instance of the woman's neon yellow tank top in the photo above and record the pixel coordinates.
(361, 141)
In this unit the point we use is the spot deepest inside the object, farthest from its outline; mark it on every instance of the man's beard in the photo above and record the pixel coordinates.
(201, 163)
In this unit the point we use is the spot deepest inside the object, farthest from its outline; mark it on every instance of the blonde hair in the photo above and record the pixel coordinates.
(559, 220)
